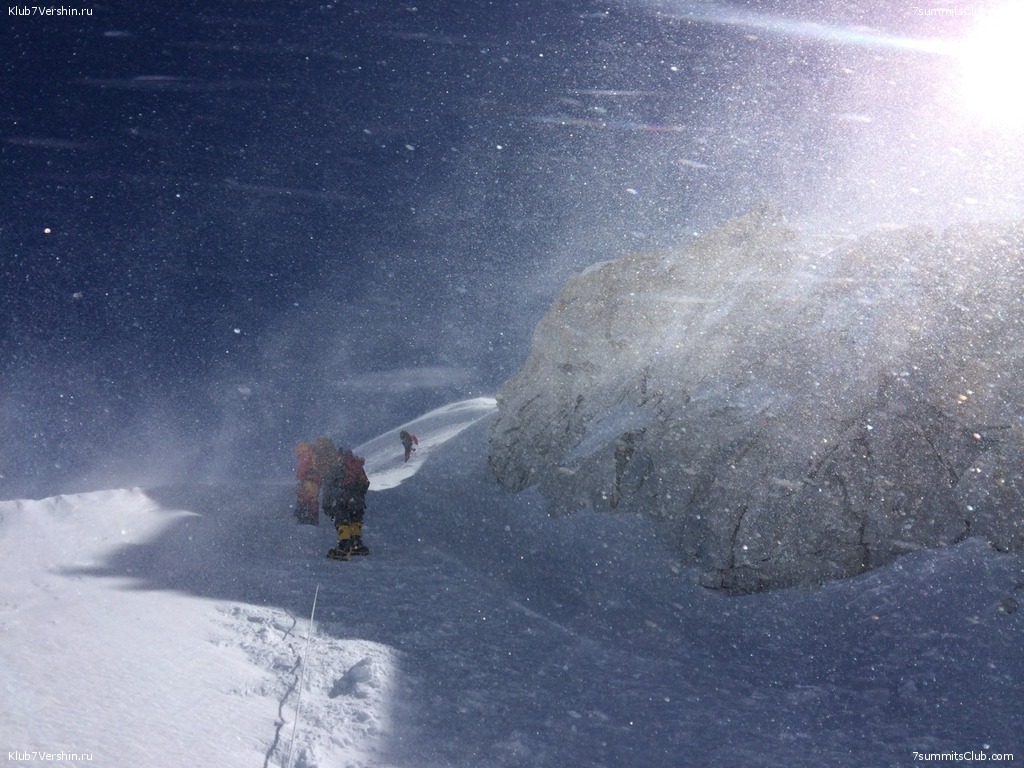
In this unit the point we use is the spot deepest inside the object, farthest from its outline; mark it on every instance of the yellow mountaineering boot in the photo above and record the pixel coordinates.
(358, 548)
(343, 551)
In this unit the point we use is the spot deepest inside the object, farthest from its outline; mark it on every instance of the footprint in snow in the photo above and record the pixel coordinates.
(348, 684)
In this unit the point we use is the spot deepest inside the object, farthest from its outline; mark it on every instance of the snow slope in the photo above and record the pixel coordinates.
(168, 627)
(385, 456)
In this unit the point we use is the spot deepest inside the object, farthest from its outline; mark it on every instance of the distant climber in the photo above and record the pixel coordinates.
(344, 501)
(314, 461)
(408, 441)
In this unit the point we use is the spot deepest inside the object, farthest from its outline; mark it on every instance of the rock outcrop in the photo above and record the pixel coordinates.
(791, 409)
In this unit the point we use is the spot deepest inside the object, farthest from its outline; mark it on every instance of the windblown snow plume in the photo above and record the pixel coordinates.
(385, 464)
(792, 409)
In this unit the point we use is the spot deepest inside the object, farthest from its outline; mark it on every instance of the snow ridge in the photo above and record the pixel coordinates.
(160, 627)
(385, 463)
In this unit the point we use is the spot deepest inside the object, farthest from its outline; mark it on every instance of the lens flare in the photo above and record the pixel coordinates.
(795, 28)
(992, 66)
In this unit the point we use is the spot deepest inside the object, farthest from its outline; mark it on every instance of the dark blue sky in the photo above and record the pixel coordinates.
(230, 225)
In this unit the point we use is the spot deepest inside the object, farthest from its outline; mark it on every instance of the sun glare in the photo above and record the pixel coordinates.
(992, 66)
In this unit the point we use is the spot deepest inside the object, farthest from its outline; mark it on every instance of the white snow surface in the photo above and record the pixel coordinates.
(170, 626)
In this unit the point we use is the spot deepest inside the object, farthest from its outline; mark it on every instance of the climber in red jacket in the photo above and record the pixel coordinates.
(408, 440)
(314, 461)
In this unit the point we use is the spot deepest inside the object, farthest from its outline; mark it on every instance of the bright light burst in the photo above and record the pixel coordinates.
(992, 66)
(990, 56)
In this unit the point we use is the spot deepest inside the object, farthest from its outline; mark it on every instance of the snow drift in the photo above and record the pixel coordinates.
(791, 409)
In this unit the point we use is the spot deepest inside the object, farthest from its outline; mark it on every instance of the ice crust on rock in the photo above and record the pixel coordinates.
(791, 408)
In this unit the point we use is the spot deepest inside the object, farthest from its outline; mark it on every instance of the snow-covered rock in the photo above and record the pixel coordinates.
(793, 409)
